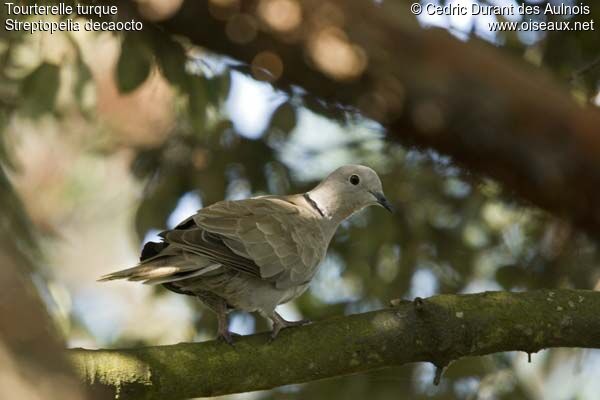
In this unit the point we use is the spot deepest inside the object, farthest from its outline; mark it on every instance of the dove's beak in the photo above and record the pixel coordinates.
(382, 201)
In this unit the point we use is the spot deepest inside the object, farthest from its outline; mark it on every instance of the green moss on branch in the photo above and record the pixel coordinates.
(439, 329)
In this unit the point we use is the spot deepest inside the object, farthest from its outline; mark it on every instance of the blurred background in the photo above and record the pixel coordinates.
(104, 151)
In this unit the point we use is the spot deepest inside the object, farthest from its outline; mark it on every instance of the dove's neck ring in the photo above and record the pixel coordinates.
(329, 204)
(314, 204)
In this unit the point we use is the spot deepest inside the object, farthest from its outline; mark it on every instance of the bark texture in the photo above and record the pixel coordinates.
(438, 329)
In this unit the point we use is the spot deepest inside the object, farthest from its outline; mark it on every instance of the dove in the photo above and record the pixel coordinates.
(257, 253)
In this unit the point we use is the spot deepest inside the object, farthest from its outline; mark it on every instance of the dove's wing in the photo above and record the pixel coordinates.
(267, 237)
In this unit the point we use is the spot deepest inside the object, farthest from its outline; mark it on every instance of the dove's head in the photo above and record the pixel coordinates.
(349, 189)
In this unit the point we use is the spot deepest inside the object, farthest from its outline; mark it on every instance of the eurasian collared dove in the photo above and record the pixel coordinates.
(257, 253)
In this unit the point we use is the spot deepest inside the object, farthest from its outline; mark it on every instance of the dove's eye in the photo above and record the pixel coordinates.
(354, 179)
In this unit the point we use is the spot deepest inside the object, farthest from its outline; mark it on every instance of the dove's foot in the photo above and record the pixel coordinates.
(280, 323)
(220, 308)
(227, 337)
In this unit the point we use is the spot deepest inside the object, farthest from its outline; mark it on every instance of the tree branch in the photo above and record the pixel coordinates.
(438, 329)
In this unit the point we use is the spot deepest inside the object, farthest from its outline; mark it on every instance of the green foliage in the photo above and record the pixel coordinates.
(197, 101)
(39, 89)
(284, 118)
(84, 76)
(135, 62)
(171, 59)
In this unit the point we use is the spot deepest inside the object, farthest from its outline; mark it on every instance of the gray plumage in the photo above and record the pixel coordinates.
(257, 253)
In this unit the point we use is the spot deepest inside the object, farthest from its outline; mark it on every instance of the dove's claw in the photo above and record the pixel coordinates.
(223, 333)
(280, 323)
(227, 337)
(273, 335)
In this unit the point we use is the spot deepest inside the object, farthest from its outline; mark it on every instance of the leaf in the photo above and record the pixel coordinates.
(217, 88)
(154, 210)
(197, 102)
(284, 118)
(146, 163)
(135, 63)
(40, 88)
(171, 60)
(84, 75)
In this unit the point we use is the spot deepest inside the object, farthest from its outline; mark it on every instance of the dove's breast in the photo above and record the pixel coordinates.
(256, 295)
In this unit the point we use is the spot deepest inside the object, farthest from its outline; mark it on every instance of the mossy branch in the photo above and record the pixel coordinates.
(438, 329)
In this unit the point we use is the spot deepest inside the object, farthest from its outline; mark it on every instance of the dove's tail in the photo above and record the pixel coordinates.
(158, 266)
(149, 268)
(141, 273)
(155, 275)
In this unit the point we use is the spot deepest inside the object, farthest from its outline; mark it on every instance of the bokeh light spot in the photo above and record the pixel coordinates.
(335, 55)
(280, 15)
(241, 28)
(158, 10)
(223, 9)
(267, 66)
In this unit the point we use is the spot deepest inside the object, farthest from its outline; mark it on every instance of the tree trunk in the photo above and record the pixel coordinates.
(33, 364)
